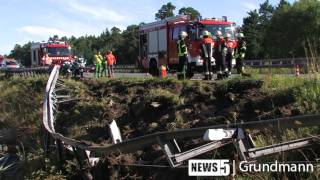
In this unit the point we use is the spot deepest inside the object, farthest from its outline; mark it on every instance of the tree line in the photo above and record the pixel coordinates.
(282, 31)
(124, 44)
(271, 32)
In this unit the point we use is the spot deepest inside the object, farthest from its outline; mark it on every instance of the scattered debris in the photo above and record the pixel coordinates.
(115, 132)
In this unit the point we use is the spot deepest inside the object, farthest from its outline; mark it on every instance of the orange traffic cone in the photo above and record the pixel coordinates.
(163, 71)
(297, 70)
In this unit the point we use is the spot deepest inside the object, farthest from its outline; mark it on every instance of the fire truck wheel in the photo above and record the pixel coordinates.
(153, 69)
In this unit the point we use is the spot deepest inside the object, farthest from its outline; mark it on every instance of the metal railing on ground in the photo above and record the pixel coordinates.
(277, 63)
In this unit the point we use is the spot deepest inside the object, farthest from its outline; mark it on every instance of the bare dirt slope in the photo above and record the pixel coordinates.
(148, 106)
(143, 107)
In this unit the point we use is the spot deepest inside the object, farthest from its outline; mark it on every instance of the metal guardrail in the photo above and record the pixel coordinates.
(144, 141)
(295, 144)
(255, 63)
(26, 71)
(126, 68)
(123, 66)
(277, 63)
(131, 68)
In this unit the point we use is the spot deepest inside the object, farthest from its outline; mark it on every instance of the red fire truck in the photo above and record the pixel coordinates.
(51, 52)
(158, 40)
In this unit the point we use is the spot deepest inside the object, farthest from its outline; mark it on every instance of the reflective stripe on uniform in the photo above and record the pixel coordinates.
(205, 50)
(182, 48)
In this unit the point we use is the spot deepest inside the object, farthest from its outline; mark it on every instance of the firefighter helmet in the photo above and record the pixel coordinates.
(183, 34)
(218, 33)
(240, 35)
(206, 33)
(228, 35)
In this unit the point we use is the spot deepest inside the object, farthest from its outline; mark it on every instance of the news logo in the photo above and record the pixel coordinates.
(209, 167)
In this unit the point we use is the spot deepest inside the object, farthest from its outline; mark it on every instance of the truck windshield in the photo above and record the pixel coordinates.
(58, 52)
(213, 28)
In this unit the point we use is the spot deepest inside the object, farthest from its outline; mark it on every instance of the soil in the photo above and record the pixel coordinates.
(149, 106)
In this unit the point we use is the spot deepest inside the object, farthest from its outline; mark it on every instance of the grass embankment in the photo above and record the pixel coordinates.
(145, 106)
(21, 110)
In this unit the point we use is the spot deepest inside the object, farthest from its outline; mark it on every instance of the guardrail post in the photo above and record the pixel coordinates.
(169, 149)
(60, 152)
(270, 66)
(81, 157)
(47, 140)
(243, 144)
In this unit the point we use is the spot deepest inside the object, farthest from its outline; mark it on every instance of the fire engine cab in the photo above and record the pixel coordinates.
(158, 40)
(51, 52)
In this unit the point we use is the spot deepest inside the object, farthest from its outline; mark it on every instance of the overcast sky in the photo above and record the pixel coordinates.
(36, 20)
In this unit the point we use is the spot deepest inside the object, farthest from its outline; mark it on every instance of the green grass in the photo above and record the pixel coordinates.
(21, 109)
(20, 100)
(308, 95)
(278, 82)
(266, 70)
(306, 91)
(163, 96)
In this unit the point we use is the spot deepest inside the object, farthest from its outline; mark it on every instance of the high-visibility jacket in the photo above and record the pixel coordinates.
(218, 46)
(241, 49)
(98, 59)
(230, 45)
(46, 60)
(110, 59)
(207, 45)
(182, 48)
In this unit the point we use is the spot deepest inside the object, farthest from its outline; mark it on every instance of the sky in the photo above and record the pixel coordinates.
(36, 20)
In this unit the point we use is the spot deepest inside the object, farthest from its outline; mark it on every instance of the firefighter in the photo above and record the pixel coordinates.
(66, 69)
(97, 61)
(104, 66)
(111, 60)
(206, 49)
(182, 54)
(229, 51)
(240, 53)
(46, 60)
(219, 56)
